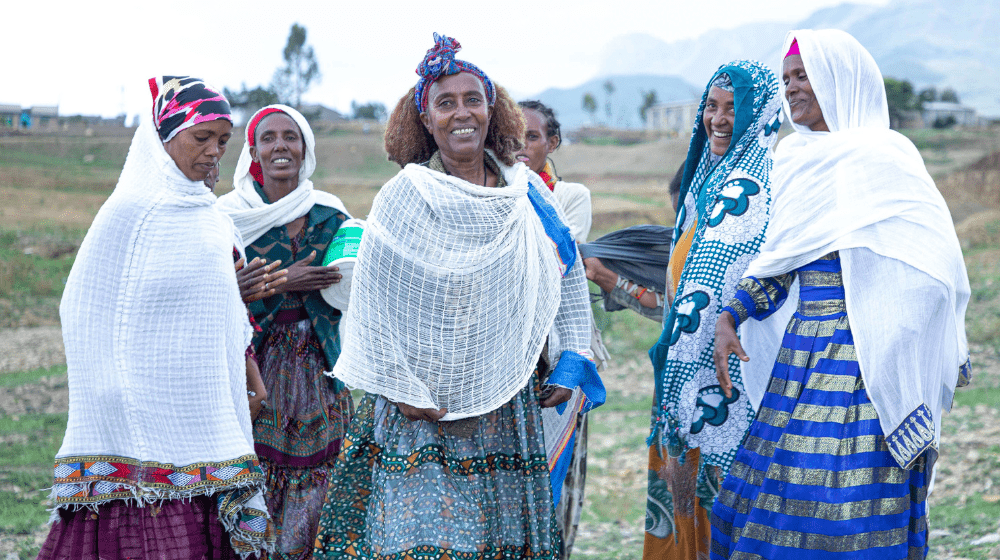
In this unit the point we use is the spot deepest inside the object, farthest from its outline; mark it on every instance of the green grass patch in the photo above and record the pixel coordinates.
(32, 284)
(29, 443)
(625, 332)
(32, 376)
(966, 521)
(972, 395)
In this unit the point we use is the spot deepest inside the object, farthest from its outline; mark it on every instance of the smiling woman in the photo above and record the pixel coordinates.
(724, 207)
(282, 218)
(464, 271)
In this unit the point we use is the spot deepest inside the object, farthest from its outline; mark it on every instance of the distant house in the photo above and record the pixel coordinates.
(10, 116)
(44, 116)
(319, 113)
(940, 111)
(676, 117)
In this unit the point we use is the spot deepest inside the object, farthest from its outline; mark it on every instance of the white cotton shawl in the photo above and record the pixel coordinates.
(455, 290)
(155, 334)
(863, 190)
(252, 216)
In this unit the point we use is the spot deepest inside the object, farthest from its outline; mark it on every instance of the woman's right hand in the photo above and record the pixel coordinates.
(425, 414)
(726, 343)
(303, 277)
(258, 280)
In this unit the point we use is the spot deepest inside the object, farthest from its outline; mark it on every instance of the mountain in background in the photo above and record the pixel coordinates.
(625, 100)
(941, 43)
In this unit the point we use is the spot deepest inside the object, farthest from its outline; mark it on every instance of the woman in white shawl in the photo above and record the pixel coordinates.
(464, 270)
(850, 389)
(282, 217)
(158, 459)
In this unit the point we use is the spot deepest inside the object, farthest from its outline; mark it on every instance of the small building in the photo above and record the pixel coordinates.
(45, 117)
(10, 116)
(676, 117)
(947, 112)
(315, 112)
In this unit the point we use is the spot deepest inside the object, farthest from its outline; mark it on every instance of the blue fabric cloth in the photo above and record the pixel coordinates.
(573, 370)
(557, 231)
(727, 200)
(815, 478)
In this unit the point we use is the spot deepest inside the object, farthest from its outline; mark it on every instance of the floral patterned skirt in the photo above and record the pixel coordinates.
(470, 489)
(299, 433)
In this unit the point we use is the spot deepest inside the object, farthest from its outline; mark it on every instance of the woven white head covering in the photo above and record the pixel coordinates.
(252, 216)
(862, 189)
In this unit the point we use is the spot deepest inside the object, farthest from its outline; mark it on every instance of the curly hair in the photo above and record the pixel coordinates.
(551, 122)
(408, 141)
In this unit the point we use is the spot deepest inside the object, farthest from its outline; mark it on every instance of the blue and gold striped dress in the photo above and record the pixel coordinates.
(814, 477)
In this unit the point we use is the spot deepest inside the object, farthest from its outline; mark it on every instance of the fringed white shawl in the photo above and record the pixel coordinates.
(863, 190)
(155, 334)
(252, 216)
(455, 290)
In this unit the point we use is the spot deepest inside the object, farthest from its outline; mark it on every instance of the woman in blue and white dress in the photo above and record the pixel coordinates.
(850, 387)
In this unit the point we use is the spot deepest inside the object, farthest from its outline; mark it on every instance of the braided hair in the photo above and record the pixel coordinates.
(551, 123)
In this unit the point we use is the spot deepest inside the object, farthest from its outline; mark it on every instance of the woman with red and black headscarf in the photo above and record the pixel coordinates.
(158, 458)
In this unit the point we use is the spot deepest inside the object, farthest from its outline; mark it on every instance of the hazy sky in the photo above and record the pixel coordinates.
(95, 57)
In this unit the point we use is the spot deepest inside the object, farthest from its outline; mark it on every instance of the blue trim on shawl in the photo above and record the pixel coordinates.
(558, 474)
(573, 370)
(555, 229)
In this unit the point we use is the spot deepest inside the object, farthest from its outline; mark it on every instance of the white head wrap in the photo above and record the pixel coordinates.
(252, 216)
(155, 334)
(455, 290)
(863, 190)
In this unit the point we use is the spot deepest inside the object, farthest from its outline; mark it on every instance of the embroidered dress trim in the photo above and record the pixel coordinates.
(97, 479)
(913, 436)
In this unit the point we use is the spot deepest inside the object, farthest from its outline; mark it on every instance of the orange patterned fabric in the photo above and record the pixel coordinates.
(691, 535)
(677, 259)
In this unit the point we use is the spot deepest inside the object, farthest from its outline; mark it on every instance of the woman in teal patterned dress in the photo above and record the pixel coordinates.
(410, 482)
(281, 217)
(857, 340)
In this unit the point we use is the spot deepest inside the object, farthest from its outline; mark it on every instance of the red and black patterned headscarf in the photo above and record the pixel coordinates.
(181, 102)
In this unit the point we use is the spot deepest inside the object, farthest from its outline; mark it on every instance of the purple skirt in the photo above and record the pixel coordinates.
(170, 530)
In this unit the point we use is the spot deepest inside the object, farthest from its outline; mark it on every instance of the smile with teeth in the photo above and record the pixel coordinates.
(461, 131)
(720, 134)
(281, 160)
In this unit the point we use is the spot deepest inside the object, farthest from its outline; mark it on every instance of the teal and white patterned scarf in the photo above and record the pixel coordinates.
(730, 196)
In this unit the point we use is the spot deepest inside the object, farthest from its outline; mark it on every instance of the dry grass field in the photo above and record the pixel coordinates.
(51, 186)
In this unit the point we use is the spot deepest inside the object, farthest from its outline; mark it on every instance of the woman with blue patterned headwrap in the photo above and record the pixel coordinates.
(467, 311)
(725, 199)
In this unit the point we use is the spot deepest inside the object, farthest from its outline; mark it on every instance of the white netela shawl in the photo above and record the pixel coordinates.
(863, 190)
(155, 334)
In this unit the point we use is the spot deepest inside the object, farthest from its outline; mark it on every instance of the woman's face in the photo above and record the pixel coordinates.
(798, 91)
(720, 114)
(458, 115)
(278, 147)
(537, 144)
(197, 150)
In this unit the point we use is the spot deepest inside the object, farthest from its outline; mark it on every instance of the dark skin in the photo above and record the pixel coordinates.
(726, 343)
(802, 102)
(197, 150)
(458, 117)
(279, 148)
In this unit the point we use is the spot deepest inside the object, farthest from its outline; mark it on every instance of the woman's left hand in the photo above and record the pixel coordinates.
(258, 279)
(559, 395)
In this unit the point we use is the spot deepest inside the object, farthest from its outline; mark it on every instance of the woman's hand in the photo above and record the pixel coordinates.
(258, 279)
(305, 278)
(425, 414)
(558, 396)
(726, 343)
(256, 393)
(600, 274)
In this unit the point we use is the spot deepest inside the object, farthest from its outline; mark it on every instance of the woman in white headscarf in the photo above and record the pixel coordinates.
(282, 217)
(850, 389)
(158, 458)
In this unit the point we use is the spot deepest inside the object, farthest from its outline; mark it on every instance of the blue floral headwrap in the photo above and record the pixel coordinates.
(440, 61)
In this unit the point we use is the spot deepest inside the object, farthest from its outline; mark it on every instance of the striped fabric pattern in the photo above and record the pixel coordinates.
(815, 475)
